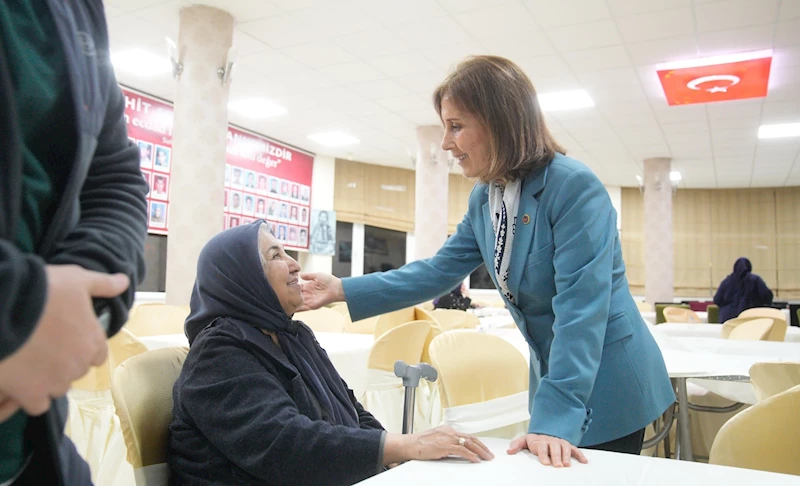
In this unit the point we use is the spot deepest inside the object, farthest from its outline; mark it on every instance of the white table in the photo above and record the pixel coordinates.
(650, 316)
(603, 469)
(674, 329)
(348, 353)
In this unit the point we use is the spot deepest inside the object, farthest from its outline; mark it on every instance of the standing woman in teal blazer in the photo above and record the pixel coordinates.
(544, 226)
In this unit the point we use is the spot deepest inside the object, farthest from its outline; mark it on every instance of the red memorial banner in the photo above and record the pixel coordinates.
(263, 179)
(150, 127)
(267, 180)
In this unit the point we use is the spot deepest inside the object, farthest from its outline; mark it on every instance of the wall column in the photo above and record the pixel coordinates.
(205, 35)
(658, 255)
(430, 208)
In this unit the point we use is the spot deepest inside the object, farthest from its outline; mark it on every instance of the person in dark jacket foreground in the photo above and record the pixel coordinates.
(740, 291)
(258, 401)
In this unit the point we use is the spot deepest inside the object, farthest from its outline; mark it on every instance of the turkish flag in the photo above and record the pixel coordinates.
(718, 82)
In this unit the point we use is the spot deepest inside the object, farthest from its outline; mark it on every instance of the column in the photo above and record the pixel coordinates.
(658, 280)
(430, 208)
(205, 35)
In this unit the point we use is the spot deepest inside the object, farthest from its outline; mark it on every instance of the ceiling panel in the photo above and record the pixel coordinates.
(585, 36)
(731, 14)
(567, 12)
(656, 25)
(622, 8)
(487, 22)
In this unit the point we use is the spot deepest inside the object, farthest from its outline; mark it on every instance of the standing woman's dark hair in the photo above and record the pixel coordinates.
(741, 290)
(500, 94)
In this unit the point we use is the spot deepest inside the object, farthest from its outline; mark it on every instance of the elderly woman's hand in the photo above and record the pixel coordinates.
(434, 444)
(320, 289)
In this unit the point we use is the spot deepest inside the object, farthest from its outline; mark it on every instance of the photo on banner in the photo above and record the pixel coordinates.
(149, 123)
(323, 232)
(269, 181)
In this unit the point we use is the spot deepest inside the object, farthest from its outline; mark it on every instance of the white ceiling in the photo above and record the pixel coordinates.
(368, 67)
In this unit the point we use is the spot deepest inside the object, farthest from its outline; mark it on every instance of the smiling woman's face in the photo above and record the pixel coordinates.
(282, 271)
(465, 138)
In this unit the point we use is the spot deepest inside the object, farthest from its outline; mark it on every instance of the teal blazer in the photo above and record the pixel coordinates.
(597, 374)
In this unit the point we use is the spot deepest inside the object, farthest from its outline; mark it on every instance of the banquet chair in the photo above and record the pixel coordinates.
(450, 319)
(763, 437)
(156, 319)
(341, 307)
(91, 423)
(142, 392)
(681, 314)
(322, 320)
(384, 392)
(752, 330)
(660, 319)
(483, 384)
(364, 326)
(763, 312)
(770, 379)
(400, 316)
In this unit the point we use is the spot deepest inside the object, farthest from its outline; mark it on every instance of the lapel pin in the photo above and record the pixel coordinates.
(526, 219)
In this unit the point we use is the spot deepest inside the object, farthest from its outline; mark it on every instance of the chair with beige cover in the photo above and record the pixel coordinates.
(157, 319)
(776, 333)
(91, 423)
(451, 319)
(483, 383)
(763, 437)
(681, 314)
(779, 324)
(770, 379)
(323, 319)
(400, 316)
(142, 392)
(383, 395)
(752, 330)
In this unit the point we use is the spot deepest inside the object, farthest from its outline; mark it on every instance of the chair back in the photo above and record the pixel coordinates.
(120, 347)
(763, 437)
(713, 314)
(393, 319)
(341, 307)
(323, 319)
(770, 379)
(660, 319)
(752, 330)
(142, 391)
(450, 319)
(401, 342)
(763, 312)
(157, 319)
(364, 326)
(681, 314)
(436, 329)
(476, 367)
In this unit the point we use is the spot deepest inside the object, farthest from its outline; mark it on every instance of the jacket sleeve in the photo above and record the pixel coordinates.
(23, 291)
(417, 281)
(109, 236)
(584, 235)
(250, 418)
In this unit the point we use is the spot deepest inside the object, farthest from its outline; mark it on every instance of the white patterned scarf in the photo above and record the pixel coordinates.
(504, 201)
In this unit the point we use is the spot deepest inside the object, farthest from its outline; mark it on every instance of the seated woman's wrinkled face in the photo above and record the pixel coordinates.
(282, 271)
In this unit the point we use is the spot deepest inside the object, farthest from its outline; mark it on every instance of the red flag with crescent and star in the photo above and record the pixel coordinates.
(716, 82)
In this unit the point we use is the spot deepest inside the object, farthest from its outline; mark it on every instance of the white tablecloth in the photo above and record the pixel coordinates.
(348, 353)
(674, 329)
(603, 469)
(650, 316)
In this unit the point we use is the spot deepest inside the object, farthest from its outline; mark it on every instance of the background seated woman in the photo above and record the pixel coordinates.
(258, 401)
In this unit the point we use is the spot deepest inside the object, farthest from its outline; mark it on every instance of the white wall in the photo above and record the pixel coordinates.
(321, 198)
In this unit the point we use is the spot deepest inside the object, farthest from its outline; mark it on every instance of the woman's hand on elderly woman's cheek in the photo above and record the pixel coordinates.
(320, 289)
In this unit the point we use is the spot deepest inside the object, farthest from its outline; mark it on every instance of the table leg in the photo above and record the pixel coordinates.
(684, 433)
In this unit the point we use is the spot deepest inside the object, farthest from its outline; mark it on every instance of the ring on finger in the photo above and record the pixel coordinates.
(462, 441)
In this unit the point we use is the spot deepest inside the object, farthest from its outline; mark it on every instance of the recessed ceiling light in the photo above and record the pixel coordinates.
(714, 60)
(334, 139)
(779, 131)
(565, 100)
(256, 108)
(141, 63)
(675, 176)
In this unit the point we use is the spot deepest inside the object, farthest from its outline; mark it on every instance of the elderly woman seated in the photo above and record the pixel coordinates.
(258, 400)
